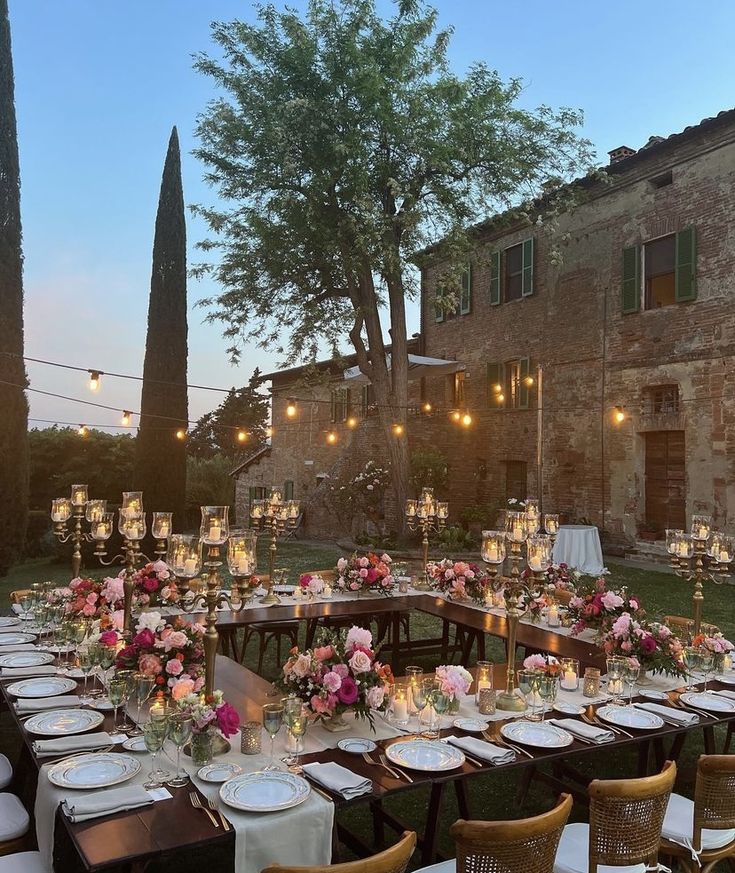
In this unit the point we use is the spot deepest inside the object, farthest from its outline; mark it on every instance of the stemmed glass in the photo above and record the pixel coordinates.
(615, 671)
(85, 662)
(144, 684)
(528, 684)
(116, 690)
(296, 719)
(420, 699)
(706, 664)
(546, 691)
(159, 718)
(692, 661)
(291, 710)
(631, 674)
(128, 677)
(106, 656)
(272, 721)
(440, 701)
(154, 738)
(180, 728)
(26, 602)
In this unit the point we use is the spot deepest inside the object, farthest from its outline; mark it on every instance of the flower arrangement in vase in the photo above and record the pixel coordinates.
(339, 675)
(546, 664)
(458, 580)
(717, 645)
(652, 644)
(365, 574)
(173, 653)
(154, 585)
(599, 608)
(91, 598)
(211, 715)
(455, 682)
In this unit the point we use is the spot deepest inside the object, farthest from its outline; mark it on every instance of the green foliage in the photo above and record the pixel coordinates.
(13, 403)
(160, 463)
(455, 539)
(215, 432)
(484, 513)
(429, 469)
(386, 543)
(208, 483)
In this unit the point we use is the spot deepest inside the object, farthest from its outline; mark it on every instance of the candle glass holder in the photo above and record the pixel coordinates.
(414, 677)
(79, 495)
(484, 678)
(591, 682)
(184, 558)
(215, 526)
(492, 551)
(551, 524)
(701, 527)
(161, 528)
(533, 518)
(428, 515)
(538, 553)
(132, 504)
(569, 677)
(275, 516)
(61, 510)
(487, 701)
(241, 559)
(399, 703)
(95, 511)
(251, 738)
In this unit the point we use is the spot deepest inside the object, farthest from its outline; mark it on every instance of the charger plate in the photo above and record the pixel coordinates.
(265, 791)
(97, 770)
(63, 722)
(425, 755)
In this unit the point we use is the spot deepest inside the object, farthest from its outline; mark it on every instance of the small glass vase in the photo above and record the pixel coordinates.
(335, 723)
(201, 748)
(453, 707)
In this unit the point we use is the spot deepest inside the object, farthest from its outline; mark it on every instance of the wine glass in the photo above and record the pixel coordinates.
(706, 664)
(272, 721)
(143, 686)
(85, 663)
(615, 670)
(692, 661)
(419, 693)
(180, 729)
(546, 685)
(116, 689)
(291, 709)
(441, 702)
(106, 662)
(528, 684)
(631, 674)
(26, 601)
(153, 737)
(297, 723)
(128, 677)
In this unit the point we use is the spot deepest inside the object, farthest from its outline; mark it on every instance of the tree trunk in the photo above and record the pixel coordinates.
(13, 403)
(160, 462)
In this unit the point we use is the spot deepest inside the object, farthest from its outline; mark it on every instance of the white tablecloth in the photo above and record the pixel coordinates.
(578, 546)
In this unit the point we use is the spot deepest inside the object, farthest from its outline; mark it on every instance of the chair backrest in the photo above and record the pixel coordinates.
(15, 596)
(393, 860)
(526, 845)
(626, 817)
(714, 795)
(328, 575)
(687, 625)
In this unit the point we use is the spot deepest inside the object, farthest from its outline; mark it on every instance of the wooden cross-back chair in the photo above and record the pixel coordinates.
(392, 860)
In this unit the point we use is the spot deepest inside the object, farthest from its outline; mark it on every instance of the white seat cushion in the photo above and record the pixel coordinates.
(6, 772)
(443, 867)
(23, 862)
(13, 817)
(572, 856)
(679, 826)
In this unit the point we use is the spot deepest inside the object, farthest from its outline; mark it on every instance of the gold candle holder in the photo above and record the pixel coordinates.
(251, 738)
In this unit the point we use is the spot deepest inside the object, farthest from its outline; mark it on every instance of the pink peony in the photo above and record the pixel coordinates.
(611, 600)
(348, 692)
(118, 619)
(332, 681)
(108, 638)
(374, 697)
(182, 688)
(320, 705)
(228, 721)
(150, 665)
(621, 627)
(535, 662)
(358, 636)
(342, 565)
(323, 653)
(363, 573)
(150, 585)
(342, 670)
(175, 640)
(360, 662)
(386, 559)
(648, 644)
(173, 667)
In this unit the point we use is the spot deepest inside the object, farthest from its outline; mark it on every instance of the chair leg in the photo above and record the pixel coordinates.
(261, 650)
(525, 784)
(726, 751)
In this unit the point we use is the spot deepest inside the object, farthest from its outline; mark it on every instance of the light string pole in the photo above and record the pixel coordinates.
(277, 516)
(428, 515)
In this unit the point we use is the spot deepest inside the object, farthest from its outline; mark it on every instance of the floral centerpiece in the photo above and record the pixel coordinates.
(458, 580)
(91, 598)
(652, 644)
(312, 583)
(170, 652)
(455, 682)
(599, 608)
(210, 715)
(365, 573)
(546, 664)
(717, 645)
(154, 585)
(339, 675)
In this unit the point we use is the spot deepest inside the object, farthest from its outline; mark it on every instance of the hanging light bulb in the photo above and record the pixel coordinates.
(466, 419)
(501, 398)
(619, 415)
(181, 434)
(398, 430)
(331, 437)
(126, 417)
(426, 406)
(528, 380)
(497, 388)
(351, 422)
(242, 436)
(456, 415)
(94, 380)
(291, 408)
(83, 430)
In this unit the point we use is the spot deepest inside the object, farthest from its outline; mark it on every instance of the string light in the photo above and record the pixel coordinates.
(331, 437)
(619, 415)
(456, 415)
(497, 388)
(94, 380)
(397, 430)
(83, 431)
(501, 398)
(466, 419)
(181, 434)
(126, 417)
(528, 381)
(242, 436)
(291, 408)
(351, 422)
(426, 406)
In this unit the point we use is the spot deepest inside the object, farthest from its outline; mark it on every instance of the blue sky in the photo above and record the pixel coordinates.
(99, 85)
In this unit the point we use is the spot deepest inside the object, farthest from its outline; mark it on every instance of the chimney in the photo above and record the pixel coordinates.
(620, 154)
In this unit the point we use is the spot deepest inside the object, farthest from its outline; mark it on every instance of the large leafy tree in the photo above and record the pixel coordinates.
(160, 461)
(343, 144)
(13, 403)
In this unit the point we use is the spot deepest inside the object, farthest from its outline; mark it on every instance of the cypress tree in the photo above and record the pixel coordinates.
(13, 403)
(160, 462)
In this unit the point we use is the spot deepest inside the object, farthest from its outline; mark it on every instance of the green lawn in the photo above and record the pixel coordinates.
(492, 796)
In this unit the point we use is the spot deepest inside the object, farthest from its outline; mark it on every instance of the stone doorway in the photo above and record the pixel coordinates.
(665, 481)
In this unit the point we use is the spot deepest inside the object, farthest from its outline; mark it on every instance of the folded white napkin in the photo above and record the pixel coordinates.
(339, 779)
(25, 672)
(17, 647)
(62, 701)
(730, 694)
(77, 743)
(11, 629)
(17, 608)
(480, 749)
(583, 730)
(81, 807)
(670, 714)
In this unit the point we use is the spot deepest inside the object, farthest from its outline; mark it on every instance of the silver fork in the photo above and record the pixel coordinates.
(385, 763)
(369, 760)
(687, 707)
(502, 742)
(197, 804)
(616, 730)
(213, 806)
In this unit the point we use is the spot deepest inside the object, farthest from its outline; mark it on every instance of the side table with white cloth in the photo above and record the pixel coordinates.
(578, 546)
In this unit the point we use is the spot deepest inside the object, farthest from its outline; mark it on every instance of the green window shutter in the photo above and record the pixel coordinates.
(252, 491)
(527, 282)
(686, 265)
(495, 377)
(495, 278)
(631, 286)
(524, 392)
(333, 406)
(288, 490)
(465, 297)
(438, 312)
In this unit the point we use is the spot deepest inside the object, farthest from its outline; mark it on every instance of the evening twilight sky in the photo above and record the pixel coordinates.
(99, 84)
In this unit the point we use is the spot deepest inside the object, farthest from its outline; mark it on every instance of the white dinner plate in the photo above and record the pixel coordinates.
(8, 621)
(726, 678)
(15, 639)
(96, 770)
(356, 745)
(58, 650)
(72, 672)
(265, 791)
(630, 717)
(26, 659)
(653, 694)
(41, 686)
(539, 734)
(471, 725)
(219, 772)
(63, 722)
(707, 702)
(100, 703)
(135, 744)
(425, 755)
(568, 708)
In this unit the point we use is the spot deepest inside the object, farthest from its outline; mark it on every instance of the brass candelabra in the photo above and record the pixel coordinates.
(77, 508)
(276, 515)
(428, 515)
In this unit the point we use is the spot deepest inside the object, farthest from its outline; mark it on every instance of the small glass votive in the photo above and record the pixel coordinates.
(484, 678)
(569, 678)
(250, 737)
(591, 684)
(486, 704)
(403, 585)
(399, 702)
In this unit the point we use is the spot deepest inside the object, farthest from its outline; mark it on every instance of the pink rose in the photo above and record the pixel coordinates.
(182, 688)
(150, 585)
(108, 638)
(363, 562)
(228, 721)
(359, 663)
(89, 609)
(323, 653)
(535, 662)
(173, 667)
(633, 604)
(363, 573)
(348, 692)
(150, 665)
(358, 636)
(175, 640)
(332, 681)
(342, 670)
(301, 667)
(375, 696)
(320, 705)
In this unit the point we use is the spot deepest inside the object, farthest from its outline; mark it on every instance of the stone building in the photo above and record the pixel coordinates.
(624, 309)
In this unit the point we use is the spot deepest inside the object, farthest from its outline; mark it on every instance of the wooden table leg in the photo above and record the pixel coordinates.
(445, 640)
(643, 748)
(396, 656)
(708, 733)
(463, 799)
(376, 809)
(431, 830)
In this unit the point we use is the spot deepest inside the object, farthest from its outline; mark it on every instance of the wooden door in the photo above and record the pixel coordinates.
(665, 480)
(516, 480)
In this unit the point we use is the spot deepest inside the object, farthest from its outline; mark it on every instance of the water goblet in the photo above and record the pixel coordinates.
(180, 730)
(615, 670)
(706, 664)
(116, 692)
(85, 663)
(128, 677)
(272, 721)
(419, 697)
(291, 709)
(441, 704)
(631, 675)
(546, 685)
(26, 602)
(692, 662)
(144, 685)
(528, 685)
(154, 739)
(160, 715)
(297, 724)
